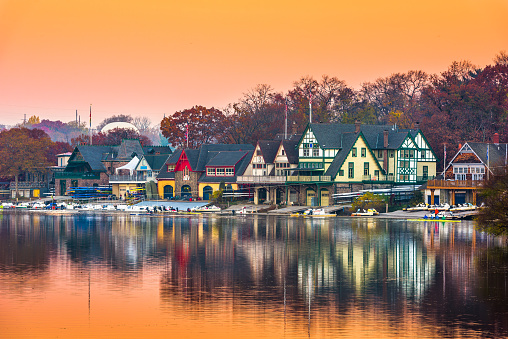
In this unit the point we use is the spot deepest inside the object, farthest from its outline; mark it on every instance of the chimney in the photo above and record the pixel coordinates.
(357, 126)
(495, 138)
(460, 146)
(385, 138)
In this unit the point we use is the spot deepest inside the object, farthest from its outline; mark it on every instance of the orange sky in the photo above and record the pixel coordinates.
(147, 58)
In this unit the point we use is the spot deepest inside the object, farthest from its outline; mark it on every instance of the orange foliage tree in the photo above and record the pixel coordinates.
(204, 126)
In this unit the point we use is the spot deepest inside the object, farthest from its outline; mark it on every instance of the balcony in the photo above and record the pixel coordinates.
(77, 175)
(261, 179)
(309, 178)
(136, 178)
(450, 184)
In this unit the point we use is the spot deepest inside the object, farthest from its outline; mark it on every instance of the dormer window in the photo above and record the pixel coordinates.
(210, 171)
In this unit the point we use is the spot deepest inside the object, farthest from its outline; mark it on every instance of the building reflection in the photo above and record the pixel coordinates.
(304, 265)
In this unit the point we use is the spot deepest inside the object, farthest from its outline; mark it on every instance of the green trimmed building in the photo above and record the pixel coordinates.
(344, 158)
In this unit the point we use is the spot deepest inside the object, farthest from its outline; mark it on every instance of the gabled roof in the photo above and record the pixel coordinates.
(173, 158)
(291, 137)
(269, 150)
(291, 148)
(497, 153)
(348, 140)
(92, 155)
(128, 148)
(156, 162)
(239, 159)
(192, 157)
(331, 135)
(203, 155)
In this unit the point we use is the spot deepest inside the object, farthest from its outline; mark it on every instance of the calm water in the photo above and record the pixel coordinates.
(111, 275)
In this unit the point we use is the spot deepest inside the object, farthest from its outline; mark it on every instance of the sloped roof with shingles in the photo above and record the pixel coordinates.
(348, 140)
(291, 148)
(156, 161)
(93, 155)
(497, 153)
(204, 151)
(239, 159)
(221, 159)
(269, 150)
(128, 148)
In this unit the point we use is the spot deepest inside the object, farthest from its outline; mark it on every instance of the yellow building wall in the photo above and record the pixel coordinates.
(430, 164)
(161, 184)
(358, 163)
(214, 186)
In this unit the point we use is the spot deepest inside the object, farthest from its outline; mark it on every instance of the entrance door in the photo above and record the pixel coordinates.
(460, 198)
(207, 193)
(168, 192)
(186, 192)
(311, 198)
(325, 198)
(63, 187)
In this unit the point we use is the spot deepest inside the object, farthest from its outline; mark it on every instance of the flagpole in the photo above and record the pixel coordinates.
(90, 124)
(286, 120)
(444, 162)
(310, 107)
(187, 135)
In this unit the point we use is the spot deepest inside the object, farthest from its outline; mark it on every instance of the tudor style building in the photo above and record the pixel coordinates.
(196, 173)
(343, 158)
(464, 174)
(268, 169)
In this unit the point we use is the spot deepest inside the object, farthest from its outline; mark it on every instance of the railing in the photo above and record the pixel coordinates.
(29, 184)
(391, 178)
(378, 178)
(309, 178)
(261, 179)
(72, 175)
(130, 178)
(454, 183)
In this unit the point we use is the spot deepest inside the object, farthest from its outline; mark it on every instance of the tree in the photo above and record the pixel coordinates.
(493, 217)
(501, 58)
(33, 120)
(22, 150)
(368, 200)
(204, 126)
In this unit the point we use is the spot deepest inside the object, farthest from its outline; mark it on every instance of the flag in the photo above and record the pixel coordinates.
(487, 153)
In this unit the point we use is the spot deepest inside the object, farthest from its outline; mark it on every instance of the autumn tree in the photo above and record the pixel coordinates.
(204, 126)
(22, 150)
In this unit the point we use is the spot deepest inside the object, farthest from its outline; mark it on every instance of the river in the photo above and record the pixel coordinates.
(205, 276)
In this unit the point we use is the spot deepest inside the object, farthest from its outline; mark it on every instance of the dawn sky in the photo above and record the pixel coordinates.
(150, 58)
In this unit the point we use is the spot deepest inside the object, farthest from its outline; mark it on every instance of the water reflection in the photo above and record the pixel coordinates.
(281, 276)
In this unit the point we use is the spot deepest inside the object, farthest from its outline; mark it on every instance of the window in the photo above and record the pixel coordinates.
(351, 170)
(422, 154)
(283, 152)
(210, 171)
(364, 152)
(220, 171)
(186, 171)
(171, 168)
(230, 172)
(365, 168)
(391, 154)
(258, 152)
(306, 152)
(425, 172)
(376, 173)
(411, 153)
(341, 173)
(379, 153)
(354, 151)
(315, 152)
